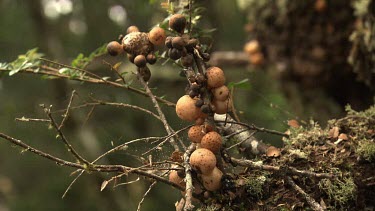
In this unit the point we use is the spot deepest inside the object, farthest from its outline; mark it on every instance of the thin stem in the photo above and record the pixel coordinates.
(63, 138)
(144, 196)
(311, 201)
(160, 112)
(67, 110)
(253, 127)
(188, 178)
(287, 170)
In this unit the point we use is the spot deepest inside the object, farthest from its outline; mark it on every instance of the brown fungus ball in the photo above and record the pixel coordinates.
(186, 109)
(212, 141)
(114, 48)
(221, 93)
(151, 58)
(177, 22)
(203, 161)
(252, 47)
(140, 61)
(196, 133)
(221, 107)
(178, 43)
(212, 181)
(215, 77)
(137, 43)
(157, 36)
(173, 177)
(132, 29)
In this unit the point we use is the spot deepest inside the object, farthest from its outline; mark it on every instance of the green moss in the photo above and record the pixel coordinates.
(366, 150)
(340, 192)
(254, 186)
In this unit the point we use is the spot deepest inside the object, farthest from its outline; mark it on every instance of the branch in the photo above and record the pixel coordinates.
(40, 153)
(67, 110)
(311, 201)
(161, 114)
(97, 168)
(287, 170)
(49, 71)
(63, 138)
(144, 196)
(189, 180)
(241, 134)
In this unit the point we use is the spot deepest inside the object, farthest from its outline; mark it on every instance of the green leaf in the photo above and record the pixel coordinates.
(24, 61)
(243, 84)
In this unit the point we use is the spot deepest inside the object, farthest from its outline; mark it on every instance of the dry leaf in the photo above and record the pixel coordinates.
(293, 123)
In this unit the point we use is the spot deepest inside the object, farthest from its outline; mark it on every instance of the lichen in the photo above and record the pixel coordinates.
(340, 192)
(366, 150)
(254, 186)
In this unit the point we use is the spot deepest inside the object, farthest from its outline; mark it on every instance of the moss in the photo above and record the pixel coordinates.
(340, 192)
(254, 186)
(366, 150)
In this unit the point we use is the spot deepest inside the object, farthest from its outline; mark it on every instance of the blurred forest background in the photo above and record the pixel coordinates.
(315, 62)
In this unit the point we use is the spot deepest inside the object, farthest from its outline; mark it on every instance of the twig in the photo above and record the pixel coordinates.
(40, 153)
(166, 139)
(49, 71)
(67, 110)
(88, 116)
(72, 183)
(188, 178)
(144, 196)
(234, 112)
(253, 127)
(161, 114)
(97, 168)
(287, 170)
(116, 71)
(240, 142)
(241, 134)
(63, 138)
(311, 201)
(24, 119)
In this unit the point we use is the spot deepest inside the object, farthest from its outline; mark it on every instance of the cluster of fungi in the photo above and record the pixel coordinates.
(206, 94)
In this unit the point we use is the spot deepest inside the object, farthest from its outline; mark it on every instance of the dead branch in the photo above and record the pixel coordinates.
(63, 138)
(144, 196)
(287, 170)
(188, 178)
(161, 115)
(311, 201)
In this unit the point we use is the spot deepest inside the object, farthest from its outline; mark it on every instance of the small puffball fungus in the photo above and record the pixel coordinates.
(177, 22)
(252, 47)
(186, 109)
(114, 48)
(151, 58)
(221, 93)
(273, 152)
(137, 43)
(140, 61)
(157, 36)
(203, 161)
(173, 177)
(212, 181)
(221, 107)
(212, 141)
(256, 58)
(196, 133)
(215, 77)
(132, 29)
